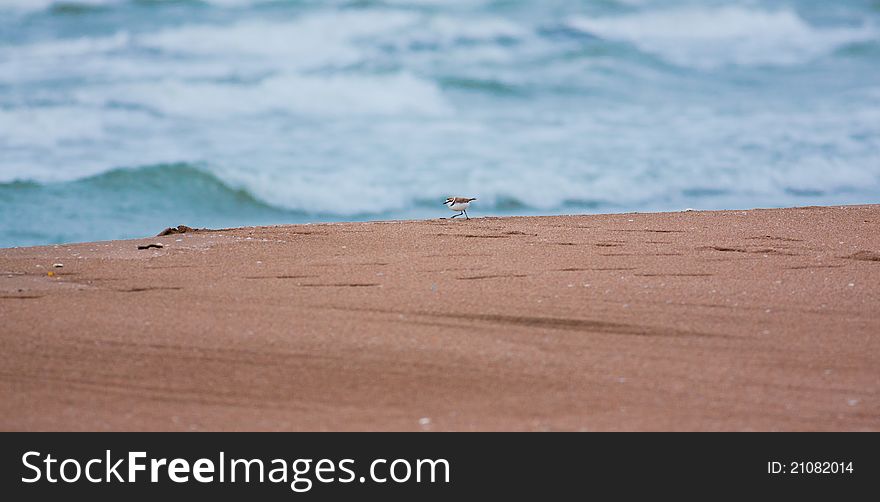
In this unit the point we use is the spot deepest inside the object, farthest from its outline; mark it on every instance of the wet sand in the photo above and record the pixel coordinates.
(732, 320)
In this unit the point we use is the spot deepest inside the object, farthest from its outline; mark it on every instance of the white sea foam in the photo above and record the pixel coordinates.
(435, 3)
(38, 5)
(449, 29)
(69, 142)
(248, 49)
(22, 64)
(68, 47)
(251, 49)
(706, 37)
(354, 95)
(30, 6)
(47, 126)
(304, 43)
(324, 38)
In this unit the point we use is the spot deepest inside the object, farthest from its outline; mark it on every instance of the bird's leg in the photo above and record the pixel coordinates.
(465, 214)
(459, 214)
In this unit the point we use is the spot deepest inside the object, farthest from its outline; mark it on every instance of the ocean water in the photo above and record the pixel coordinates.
(119, 118)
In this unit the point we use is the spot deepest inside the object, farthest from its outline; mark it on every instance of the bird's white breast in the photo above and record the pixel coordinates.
(460, 206)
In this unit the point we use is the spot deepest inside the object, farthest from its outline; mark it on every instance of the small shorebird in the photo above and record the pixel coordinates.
(459, 204)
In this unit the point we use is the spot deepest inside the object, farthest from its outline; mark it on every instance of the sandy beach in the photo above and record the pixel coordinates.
(728, 320)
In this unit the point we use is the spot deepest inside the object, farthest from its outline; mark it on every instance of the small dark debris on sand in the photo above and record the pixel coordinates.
(148, 246)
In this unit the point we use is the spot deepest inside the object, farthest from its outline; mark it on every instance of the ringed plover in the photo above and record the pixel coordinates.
(459, 204)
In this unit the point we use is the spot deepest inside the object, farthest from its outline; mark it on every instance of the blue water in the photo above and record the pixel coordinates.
(120, 118)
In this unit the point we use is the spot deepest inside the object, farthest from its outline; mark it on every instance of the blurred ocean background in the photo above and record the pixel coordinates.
(119, 118)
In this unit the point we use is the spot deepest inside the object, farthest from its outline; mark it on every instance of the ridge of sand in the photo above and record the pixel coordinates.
(728, 320)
